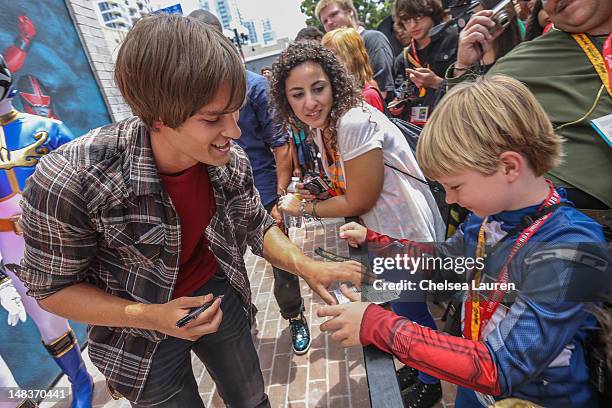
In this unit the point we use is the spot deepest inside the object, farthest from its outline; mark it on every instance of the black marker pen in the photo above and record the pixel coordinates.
(195, 312)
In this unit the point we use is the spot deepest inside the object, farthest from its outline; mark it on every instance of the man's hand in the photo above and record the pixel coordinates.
(345, 323)
(320, 275)
(354, 233)
(278, 217)
(163, 317)
(424, 78)
(476, 39)
(11, 301)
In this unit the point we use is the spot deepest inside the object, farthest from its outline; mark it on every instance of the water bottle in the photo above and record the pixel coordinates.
(291, 221)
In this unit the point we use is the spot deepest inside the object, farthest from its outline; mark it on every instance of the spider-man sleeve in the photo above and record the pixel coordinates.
(463, 362)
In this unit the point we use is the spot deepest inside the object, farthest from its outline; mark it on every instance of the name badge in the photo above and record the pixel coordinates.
(419, 115)
(603, 126)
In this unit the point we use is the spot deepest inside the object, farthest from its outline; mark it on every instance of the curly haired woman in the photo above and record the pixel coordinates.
(363, 153)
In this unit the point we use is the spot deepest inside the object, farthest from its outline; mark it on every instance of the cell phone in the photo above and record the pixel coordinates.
(396, 104)
(195, 312)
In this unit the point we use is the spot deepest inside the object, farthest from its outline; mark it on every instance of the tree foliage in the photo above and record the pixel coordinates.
(370, 12)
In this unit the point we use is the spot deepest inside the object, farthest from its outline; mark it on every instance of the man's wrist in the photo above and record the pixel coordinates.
(302, 266)
(141, 314)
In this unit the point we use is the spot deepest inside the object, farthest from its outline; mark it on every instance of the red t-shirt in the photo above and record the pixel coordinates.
(372, 97)
(194, 201)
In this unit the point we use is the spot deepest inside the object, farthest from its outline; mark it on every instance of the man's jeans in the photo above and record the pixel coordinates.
(229, 356)
(286, 288)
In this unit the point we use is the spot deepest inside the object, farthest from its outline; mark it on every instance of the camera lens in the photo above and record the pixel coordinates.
(503, 19)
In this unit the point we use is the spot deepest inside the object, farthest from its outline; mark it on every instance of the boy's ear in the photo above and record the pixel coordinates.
(513, 165)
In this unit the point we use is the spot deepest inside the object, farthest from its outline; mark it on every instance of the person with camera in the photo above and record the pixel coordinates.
(424, 62)
(562, 69)
(506, 36)
(366, 157)
(543, 264)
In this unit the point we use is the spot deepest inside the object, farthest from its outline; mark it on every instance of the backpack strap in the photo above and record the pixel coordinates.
(407, 174)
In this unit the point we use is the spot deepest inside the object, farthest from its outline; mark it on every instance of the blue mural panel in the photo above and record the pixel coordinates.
(54, 79)
(52, 63)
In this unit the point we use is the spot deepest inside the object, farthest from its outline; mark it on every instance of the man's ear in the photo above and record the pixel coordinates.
(512, 164)
(157, 125)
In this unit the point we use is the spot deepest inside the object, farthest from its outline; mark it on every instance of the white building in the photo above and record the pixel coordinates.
(121, 14)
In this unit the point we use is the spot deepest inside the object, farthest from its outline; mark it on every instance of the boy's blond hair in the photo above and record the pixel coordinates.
(477, 121)
(350, 49)
(170, 66)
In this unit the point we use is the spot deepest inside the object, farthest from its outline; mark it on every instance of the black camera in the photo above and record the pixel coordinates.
(462, 10)
(315, 185)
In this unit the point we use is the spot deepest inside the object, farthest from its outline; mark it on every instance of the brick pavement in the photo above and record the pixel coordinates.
(327, 376)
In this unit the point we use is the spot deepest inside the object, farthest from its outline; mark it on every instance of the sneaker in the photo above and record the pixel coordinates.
(423, 395)
(300, 334)
(406, 377)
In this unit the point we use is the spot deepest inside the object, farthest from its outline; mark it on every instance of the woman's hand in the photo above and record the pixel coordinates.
(308, 196)
(353, 233)
(290, 204)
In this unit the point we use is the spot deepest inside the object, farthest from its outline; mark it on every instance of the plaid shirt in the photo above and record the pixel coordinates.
(95, 211)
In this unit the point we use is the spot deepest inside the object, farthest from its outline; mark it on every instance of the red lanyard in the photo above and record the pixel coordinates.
(607, 54)
(417, 61)
(477, 313)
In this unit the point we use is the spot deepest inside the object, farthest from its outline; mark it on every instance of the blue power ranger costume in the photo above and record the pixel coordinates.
(24, 138)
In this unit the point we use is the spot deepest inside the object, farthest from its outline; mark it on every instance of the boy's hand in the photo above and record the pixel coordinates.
(354, 233)
(164, 317)
(424, 78)
(345, 323)
(395, 108)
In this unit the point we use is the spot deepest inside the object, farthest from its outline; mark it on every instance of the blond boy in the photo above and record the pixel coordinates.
(489, 143)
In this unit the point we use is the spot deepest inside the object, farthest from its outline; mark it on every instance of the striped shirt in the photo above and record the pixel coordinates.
(95, 211)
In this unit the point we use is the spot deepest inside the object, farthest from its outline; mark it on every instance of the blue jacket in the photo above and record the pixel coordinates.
(259, 136)
(538, 346)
